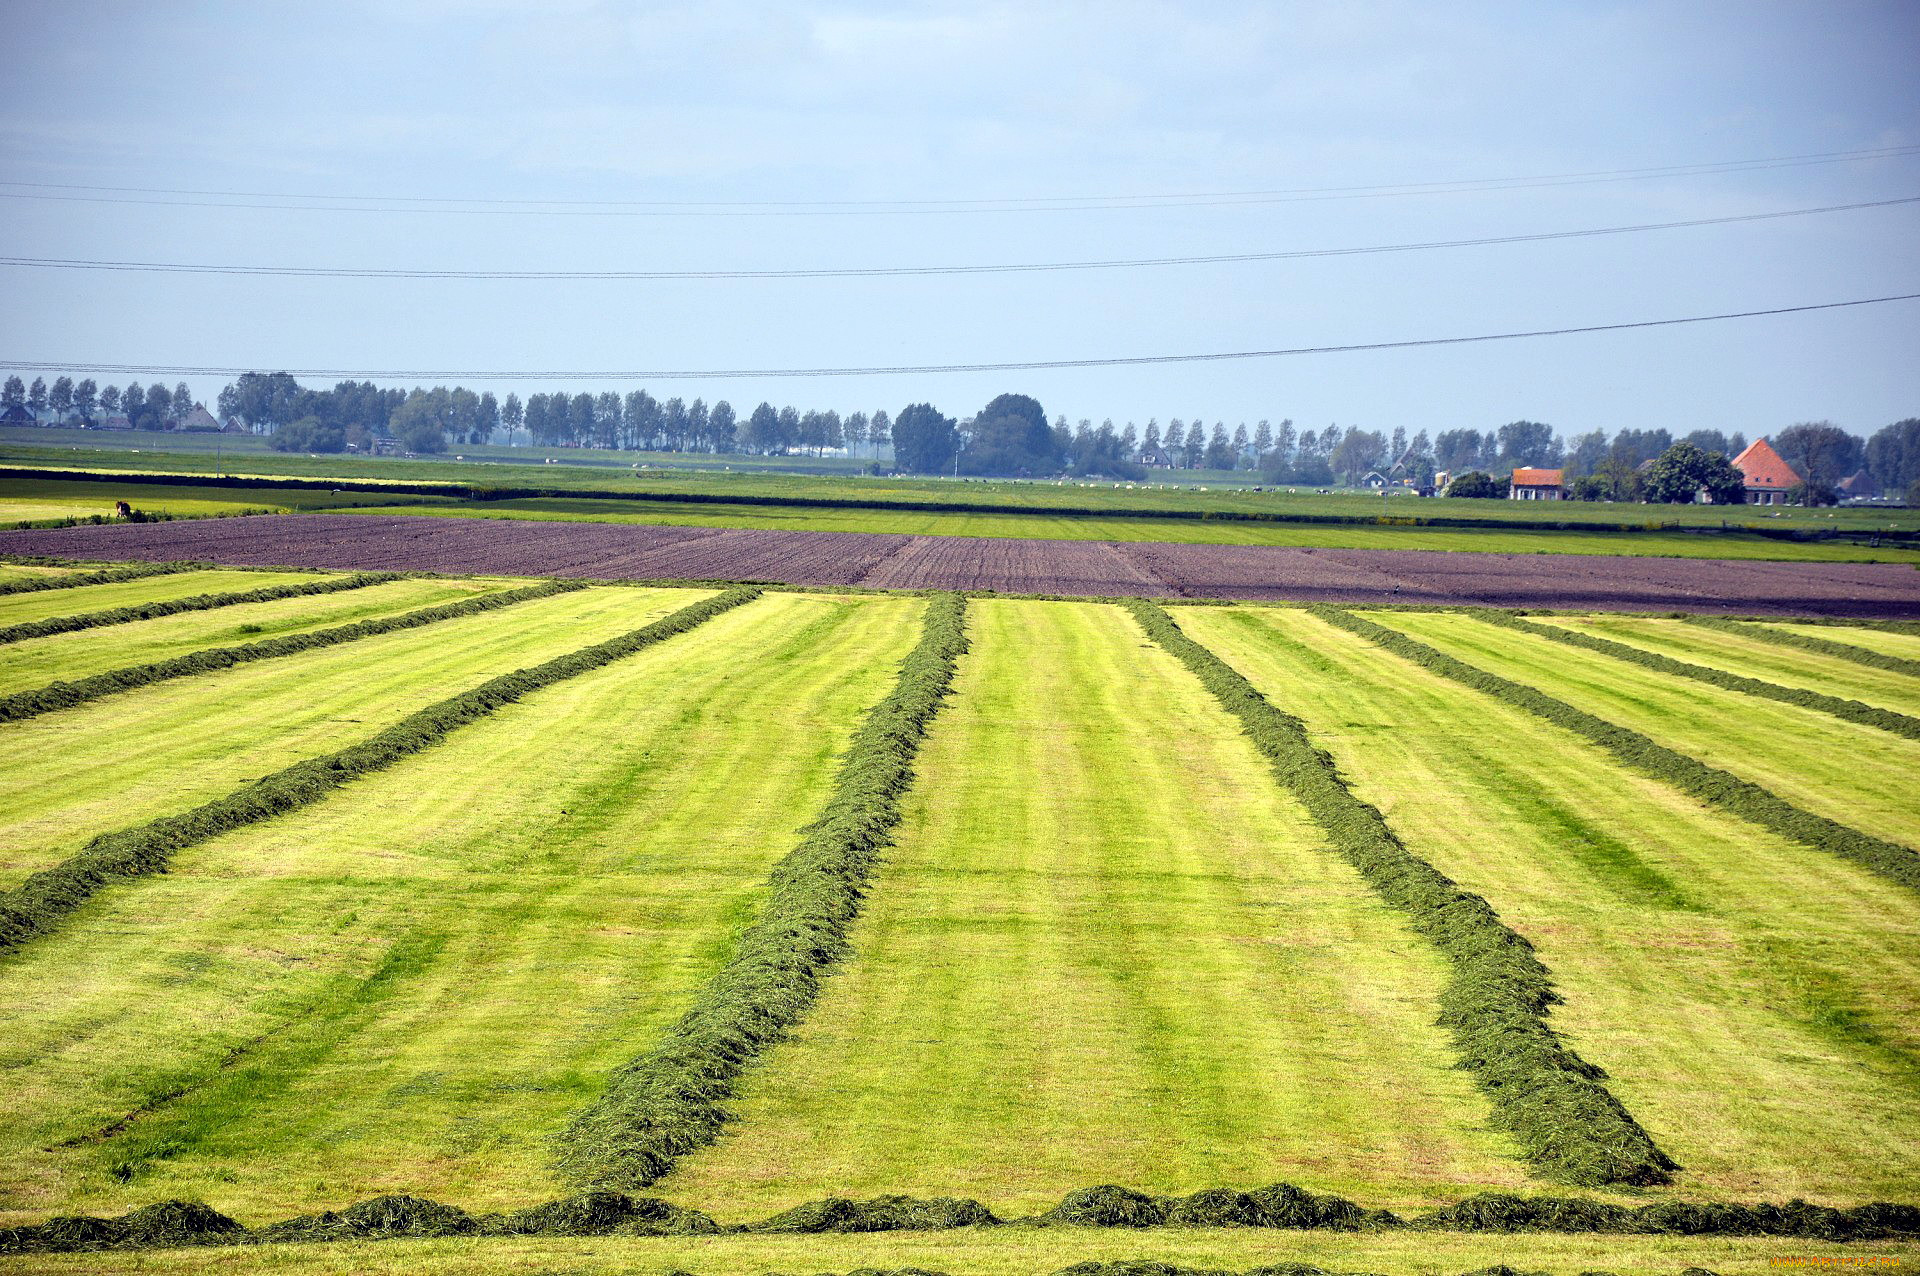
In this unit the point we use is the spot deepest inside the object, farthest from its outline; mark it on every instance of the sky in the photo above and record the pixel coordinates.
(724, 136)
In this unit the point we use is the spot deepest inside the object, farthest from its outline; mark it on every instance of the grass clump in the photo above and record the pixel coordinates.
(64, 695)
(44, 899)
(1808, 642)
(382, 1218)
(105, 576)
(198, 602)
(1848, 710)
(601, 1214)
(1499, 1212)
(1738, 797)
(1280, 1206)
(881, 1214)
(670, 1100)
(1569, 1126)
(165, 1225)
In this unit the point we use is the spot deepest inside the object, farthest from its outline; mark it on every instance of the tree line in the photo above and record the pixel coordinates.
(1010, 437)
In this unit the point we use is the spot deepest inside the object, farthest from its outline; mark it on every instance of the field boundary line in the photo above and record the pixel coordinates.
(104, 576)
(1495, 1004)
(38, 904)
(175, 606)
(1807, 642)
(1743, 798)
(1854, 711)
(670, 1101)
(65, 695)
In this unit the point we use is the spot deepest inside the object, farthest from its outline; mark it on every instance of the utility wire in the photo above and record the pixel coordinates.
(320, 202)
(869, 272)
(744, 374)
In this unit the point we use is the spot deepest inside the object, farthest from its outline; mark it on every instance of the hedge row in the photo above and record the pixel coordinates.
(1282, 1206)
(1807, 642)
(1728, 792)
(64, 695)
(1849, 710)
(38, 904)
(104, 576)
(669, 1101)
(1568, 1125)
(199, 602)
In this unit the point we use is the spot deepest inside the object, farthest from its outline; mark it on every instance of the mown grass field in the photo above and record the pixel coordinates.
(34, 501)
(41, 604)
(1104, 942)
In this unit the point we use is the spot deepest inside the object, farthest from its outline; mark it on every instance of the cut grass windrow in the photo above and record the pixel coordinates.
(198, 602)
(1847, 710)
(105, 576)
(1568, 1124)
(1807, 642)
(669, 1101)
(38, 904)
(64, 695)
(1710, 784)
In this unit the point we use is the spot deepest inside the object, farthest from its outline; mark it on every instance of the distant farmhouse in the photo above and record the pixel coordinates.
(1768, 478)
(1538, 485)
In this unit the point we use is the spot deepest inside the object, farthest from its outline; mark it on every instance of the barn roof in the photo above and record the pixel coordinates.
(1524, 477)
(1761, 466)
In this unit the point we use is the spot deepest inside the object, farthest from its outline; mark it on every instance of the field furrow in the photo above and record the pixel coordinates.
(1106, 949)
(167, 748)
(37, 662)
(1751, 656)
(411, 984)
(1755, 1003)
(1855, 775)
(19, 609)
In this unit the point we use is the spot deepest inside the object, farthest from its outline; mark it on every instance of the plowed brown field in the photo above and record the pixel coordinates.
(1096, 568)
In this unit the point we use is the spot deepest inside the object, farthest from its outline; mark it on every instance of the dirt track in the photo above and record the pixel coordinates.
(515, 547)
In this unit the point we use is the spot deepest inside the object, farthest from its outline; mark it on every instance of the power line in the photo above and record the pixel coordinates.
(180, 197)
(867, 272)
(744, 374)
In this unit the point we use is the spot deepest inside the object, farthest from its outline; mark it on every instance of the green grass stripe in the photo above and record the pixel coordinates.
(1568, 1124)
(64, 695)
(197, 602)
(669, 1101)
(1847, 710)
(104, 576)
(1807, 642)
(1710, 784)
(38, 904)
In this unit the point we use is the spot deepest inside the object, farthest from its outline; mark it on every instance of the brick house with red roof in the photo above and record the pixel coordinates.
(1768, 478)
(1537, 485)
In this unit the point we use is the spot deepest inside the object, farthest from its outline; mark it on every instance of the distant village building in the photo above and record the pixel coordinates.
(1858, 486)
(16, 414)
(1537, 485)
(1768, 478)
(200, 420)
(117, 421)
(1374, 479)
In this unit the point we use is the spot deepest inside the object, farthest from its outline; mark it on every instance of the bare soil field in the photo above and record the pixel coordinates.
(1084, 568)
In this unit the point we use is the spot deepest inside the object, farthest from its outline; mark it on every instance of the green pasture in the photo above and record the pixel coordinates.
(1854, 774)
(1754, 1001)
(410, 986)
(1007, 1252)
(31, 571)
(162, 749)
(1106, 949)
(44, 604)
(36, 662)
(1752, 657)
(1887, 642)
(43, 500)
(1041, 525)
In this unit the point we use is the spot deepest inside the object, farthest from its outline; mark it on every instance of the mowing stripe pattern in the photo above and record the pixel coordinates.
(38, 904)
(669, 1101)
(198, 602)
(1739, 797)
(64, 695)
(1807, 642)
(1568, 1124)
(106, 576)
(1848, 710)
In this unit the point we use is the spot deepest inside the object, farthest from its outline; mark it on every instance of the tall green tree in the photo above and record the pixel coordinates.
(924, 441)
(86, 400)
(723, 427)
(60, 397)
(1683, 471)
(1820, 452)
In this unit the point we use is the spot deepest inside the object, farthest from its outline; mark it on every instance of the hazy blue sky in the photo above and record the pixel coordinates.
(725, 101)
